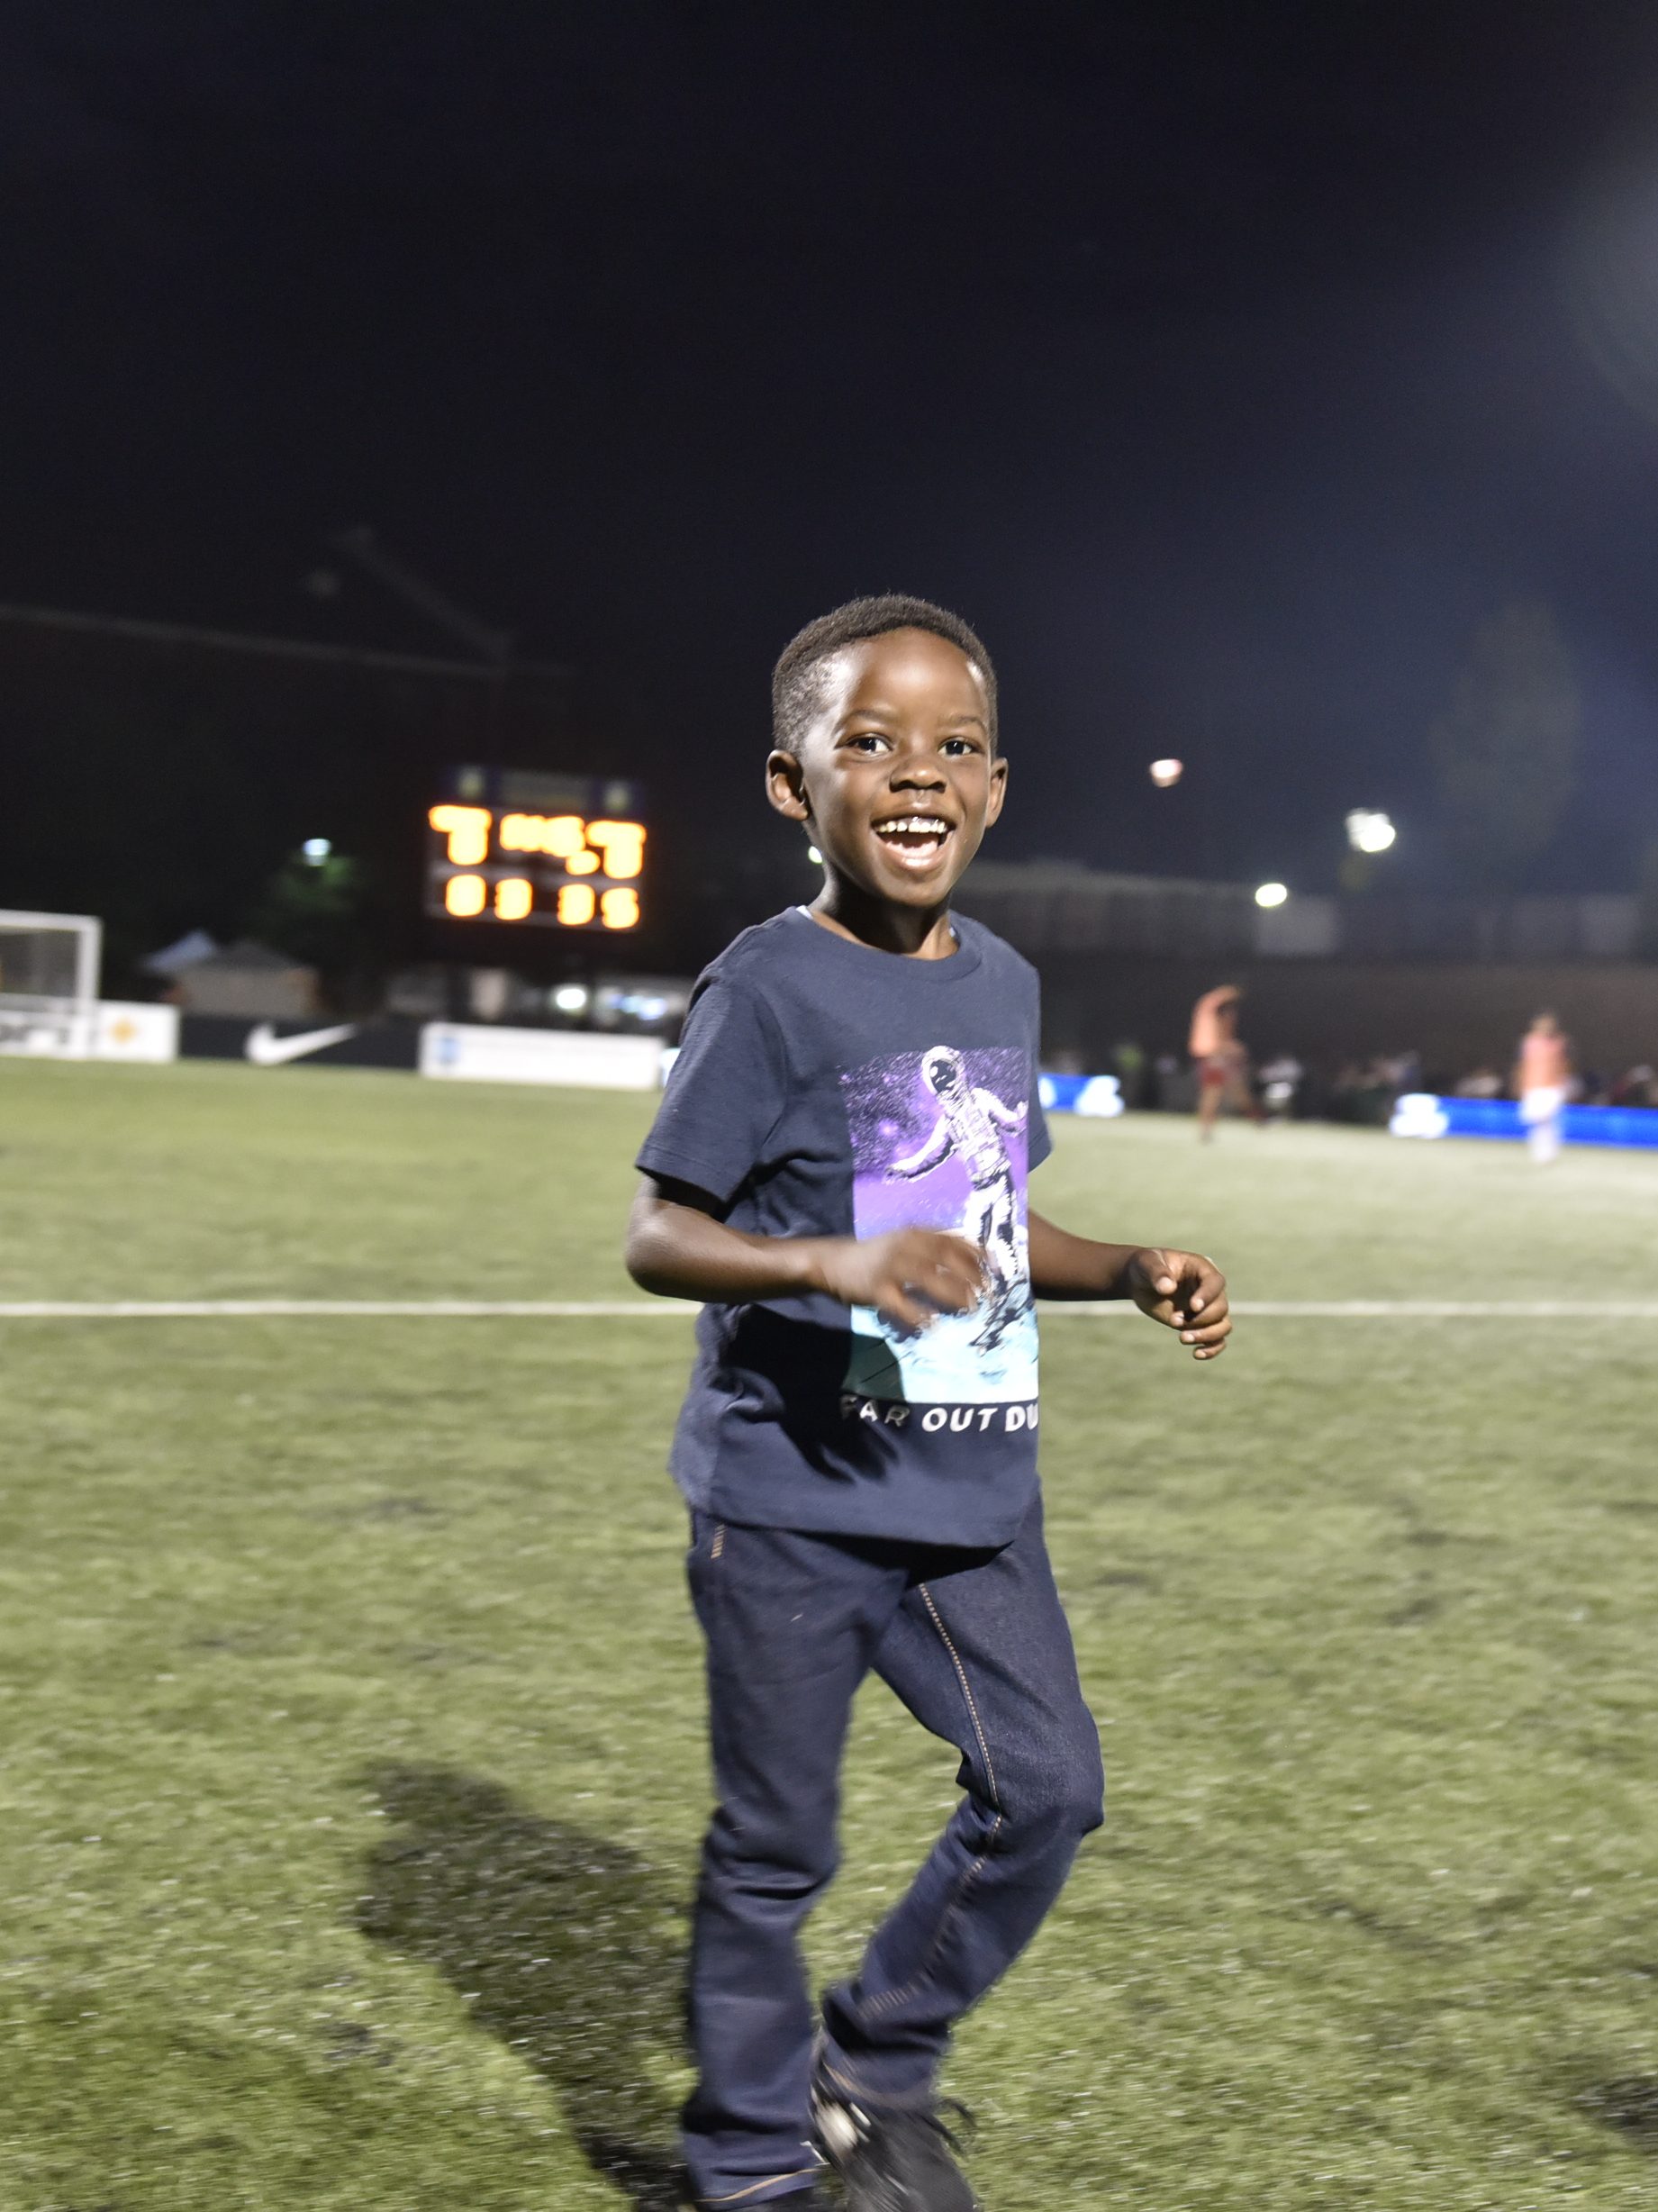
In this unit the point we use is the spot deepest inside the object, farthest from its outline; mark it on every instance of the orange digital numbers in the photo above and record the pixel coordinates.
(465, 894)
(622, 843)
(557, 835)
(467, 829)
(589, 879)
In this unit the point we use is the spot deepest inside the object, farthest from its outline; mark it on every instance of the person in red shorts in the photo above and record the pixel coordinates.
(1218, 1058)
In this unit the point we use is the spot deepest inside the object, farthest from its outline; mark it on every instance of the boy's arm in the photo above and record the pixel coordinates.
(1182, 1290)
(678, 1247)
(933, 1154)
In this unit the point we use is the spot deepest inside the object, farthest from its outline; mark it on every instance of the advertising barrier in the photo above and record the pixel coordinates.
(126, 1030)
(112, 1029)
(1097, 1097)
(585, 1059)
(1420, 1114)
(313, 1043)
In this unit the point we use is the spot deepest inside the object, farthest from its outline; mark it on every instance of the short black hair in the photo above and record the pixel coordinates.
(797, 680)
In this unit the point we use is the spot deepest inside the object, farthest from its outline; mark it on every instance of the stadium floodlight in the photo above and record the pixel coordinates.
(316, 850)
(1369, 831)
(1272, 894)
(1165, 773)
(571, 998)
(48, 984)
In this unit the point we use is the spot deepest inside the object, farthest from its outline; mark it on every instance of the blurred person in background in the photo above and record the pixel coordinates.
(1128, 1060)
(1281, 1082)
(1481, 1083)
(1542, 1078)
(1218, 1058)
(1402, 1072)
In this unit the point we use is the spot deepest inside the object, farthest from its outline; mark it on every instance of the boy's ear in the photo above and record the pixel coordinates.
(998, 788)
(785, 787)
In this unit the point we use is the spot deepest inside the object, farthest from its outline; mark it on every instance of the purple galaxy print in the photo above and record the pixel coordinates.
(939, 1141)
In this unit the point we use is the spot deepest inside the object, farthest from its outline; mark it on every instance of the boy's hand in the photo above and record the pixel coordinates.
(910, 1276)
(1183, 1291)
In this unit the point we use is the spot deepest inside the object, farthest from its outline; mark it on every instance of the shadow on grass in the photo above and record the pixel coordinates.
(1628, 2104)
(567, 1946)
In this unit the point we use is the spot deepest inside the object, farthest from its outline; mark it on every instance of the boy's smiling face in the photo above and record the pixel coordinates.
(895, 775)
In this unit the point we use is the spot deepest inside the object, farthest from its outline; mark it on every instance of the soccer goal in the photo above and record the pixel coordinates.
(48, 984)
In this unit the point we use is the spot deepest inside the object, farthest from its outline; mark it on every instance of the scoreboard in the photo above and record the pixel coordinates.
(560, 852)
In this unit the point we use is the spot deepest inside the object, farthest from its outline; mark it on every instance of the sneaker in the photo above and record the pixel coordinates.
(896, 2161)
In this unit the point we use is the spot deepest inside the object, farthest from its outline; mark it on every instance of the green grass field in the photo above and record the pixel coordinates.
(352, 1773)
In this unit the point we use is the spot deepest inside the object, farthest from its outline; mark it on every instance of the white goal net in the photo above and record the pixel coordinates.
(48, 982)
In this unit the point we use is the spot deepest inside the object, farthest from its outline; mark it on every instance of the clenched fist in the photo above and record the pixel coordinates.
(910, 1276)
(1183, 1291)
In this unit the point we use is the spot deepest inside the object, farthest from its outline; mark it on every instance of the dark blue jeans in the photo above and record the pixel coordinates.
(976, 1645)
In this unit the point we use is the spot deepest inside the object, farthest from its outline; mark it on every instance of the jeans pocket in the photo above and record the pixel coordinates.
(703, 1570)
(707, 1538)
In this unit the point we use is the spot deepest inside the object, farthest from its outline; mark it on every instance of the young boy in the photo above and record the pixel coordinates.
(838, 1171)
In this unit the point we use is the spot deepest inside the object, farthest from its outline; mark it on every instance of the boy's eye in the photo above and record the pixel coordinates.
(960, 745)
(866, 741)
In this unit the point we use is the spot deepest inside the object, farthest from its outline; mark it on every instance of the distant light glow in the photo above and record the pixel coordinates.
(561, 868)
(622, 843)
(1272, 894)
(1369, 831)
(465, 894)
(814, 855)
(1166, 773)
(467, 827)
(571, 998)
(316, 850)
(559, 834)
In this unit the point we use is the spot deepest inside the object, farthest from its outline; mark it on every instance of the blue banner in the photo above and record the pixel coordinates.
(1419, 1114)
(1100, 1097)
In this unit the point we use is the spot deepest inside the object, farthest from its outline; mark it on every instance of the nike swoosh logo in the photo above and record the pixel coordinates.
(265, 1049)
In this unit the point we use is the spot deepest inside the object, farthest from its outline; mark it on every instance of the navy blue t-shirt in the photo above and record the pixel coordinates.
(823, 1088)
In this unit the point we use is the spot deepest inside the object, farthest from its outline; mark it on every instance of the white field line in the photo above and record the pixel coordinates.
(668, 1309)
(345, 1309)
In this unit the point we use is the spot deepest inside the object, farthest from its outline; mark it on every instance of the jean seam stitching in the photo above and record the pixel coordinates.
(961, 1676)
(969, 1874)
(947, 1921)
(736, 2196)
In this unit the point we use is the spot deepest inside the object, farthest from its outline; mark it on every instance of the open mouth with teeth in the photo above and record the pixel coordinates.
(914, 840)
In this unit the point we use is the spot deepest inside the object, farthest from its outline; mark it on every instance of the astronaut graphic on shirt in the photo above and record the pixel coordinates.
(970, 1125)
(937, 1145)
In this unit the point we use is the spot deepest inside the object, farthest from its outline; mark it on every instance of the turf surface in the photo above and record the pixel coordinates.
(352, 1769)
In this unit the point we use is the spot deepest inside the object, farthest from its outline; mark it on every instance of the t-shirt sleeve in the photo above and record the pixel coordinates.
(725, 1094)
(1038, 1144)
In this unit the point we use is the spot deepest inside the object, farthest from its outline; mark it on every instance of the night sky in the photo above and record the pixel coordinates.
(1227, 366)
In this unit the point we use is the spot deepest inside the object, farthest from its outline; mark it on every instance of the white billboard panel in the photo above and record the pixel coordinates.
(130, 1031)
(583, 1059)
